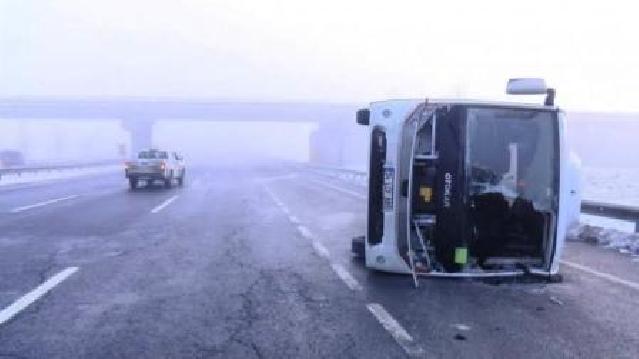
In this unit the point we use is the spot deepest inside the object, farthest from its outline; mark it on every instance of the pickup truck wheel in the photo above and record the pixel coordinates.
(168, 183)
(181, 179)
(133, 183)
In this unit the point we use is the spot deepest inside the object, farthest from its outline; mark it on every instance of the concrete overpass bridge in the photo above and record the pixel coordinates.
(138, 115)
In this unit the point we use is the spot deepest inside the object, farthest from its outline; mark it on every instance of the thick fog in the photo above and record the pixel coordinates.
(242, 142)
(291, 51)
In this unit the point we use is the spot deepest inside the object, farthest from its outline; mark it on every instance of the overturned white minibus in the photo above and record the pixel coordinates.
(468, 188)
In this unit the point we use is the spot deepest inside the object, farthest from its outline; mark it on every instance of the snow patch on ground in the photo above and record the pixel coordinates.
(43, 176)
(597, 221)
(627, 243)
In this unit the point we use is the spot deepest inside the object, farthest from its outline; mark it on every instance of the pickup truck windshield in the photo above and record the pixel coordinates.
(153, 155)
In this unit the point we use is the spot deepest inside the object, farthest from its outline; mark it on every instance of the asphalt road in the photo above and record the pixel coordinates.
(255, 262)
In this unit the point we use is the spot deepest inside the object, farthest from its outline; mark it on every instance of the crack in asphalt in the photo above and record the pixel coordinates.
(350, 345)
(257, 351)
(249, 313)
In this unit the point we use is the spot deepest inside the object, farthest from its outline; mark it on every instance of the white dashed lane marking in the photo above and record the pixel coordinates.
(41, 204)
(346, 277)
(320, 249)
(305, 232)
(163, 205)
(23, 302)
(400, 335)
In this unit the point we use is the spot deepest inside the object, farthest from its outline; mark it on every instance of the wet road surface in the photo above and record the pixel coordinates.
(256, 262)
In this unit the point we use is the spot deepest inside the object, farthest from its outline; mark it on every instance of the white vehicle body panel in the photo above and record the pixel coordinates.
(391, 116)
(155, 168)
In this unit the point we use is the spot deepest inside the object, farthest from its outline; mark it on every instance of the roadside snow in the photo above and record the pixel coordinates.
(624, 242)
(42, 176)
(597, 221)
(611, 185)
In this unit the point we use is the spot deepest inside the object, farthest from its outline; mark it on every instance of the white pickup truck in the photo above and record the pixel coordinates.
(155, 165)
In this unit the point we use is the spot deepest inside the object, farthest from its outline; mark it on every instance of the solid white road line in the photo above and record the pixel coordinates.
(346, 277)
(20, 304)
(305, 232)
(40, 204)
(162, 205)
(339, 189)
(396, 330)
(607, 276)
(320, 249)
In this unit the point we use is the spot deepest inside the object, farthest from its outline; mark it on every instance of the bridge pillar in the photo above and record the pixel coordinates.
(339, 144)
(141, 131)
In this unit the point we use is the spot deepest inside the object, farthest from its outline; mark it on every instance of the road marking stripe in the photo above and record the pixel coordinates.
(274, 197)
(346, 277)
(607, 276)
(162, 205)
(20, 304)
(339, 189)
(40, 204)
(320, 249)
(305, 232)
(391, 325)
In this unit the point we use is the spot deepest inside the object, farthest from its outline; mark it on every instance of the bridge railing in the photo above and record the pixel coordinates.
(601, 209)
(609, 210)
(54, 167)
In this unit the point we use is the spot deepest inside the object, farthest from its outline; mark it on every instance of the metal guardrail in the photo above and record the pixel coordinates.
(616, 211)
(601, 209)
(342, 171)
(47, 168)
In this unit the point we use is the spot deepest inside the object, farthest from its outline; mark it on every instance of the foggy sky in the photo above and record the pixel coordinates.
(324, 50)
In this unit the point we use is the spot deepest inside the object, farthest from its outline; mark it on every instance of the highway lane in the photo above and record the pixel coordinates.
(218, 272)
(585, 316)
(36, 191)
(31, 239)
(255, 262)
